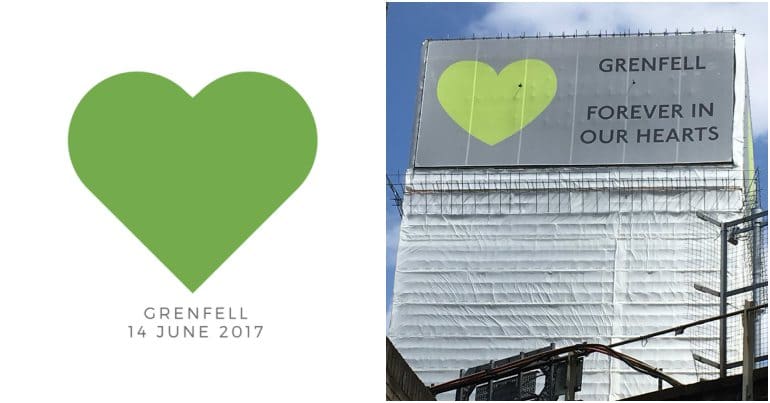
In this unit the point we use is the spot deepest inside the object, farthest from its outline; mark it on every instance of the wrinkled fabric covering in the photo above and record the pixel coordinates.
(473, 289)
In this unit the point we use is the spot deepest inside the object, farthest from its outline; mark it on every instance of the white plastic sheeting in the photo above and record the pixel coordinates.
(475, 288)
(493, 264)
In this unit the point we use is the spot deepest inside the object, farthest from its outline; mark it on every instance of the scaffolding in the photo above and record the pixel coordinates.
(739, 250)
(571, 191)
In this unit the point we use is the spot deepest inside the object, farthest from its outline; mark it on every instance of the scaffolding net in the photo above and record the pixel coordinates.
(746, 261)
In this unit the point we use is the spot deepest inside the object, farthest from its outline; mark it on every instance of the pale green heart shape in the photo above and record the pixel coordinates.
(490, 106)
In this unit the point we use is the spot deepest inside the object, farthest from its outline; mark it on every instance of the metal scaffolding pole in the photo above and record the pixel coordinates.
(727, 230)
(748, 351)
(723, 304)
(572, 374)
(756, 273)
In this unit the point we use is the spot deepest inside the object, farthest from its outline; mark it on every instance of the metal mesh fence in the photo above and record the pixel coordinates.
(760, 297)
(703, 263)
(746, 272)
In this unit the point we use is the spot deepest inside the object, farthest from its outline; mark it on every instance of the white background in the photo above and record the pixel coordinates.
(73, 277)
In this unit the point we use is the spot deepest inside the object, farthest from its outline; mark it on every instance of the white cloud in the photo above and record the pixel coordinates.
(513, 18)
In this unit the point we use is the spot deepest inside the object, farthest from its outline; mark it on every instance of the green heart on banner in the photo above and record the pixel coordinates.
(492, 107)
(192, 177)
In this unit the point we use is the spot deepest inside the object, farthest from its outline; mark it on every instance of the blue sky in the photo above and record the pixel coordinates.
(408, 24)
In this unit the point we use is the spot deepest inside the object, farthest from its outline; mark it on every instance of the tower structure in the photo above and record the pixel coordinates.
(551, 192)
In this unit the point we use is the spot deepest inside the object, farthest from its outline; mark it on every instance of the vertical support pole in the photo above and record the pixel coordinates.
(571, 376)
(517, 382)
(459, 391)
(756, 255)
(660, 380)
(491, 382)
(723, 304)
(550, 381)
(748, 351)
(756, 274)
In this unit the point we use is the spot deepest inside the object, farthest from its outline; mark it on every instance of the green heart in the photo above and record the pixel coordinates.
(192, 177)
(491, 106)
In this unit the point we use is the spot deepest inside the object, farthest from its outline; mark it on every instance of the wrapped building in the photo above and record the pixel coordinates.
(551, 197)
